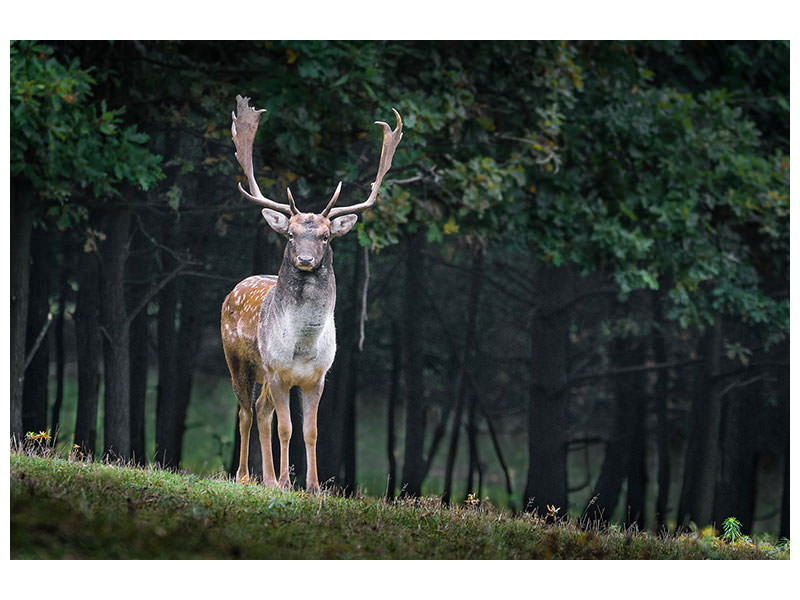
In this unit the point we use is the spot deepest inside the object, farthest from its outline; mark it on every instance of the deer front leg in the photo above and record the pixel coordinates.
(311, 396)
(264, 410)
(245, 422)
(280, 400)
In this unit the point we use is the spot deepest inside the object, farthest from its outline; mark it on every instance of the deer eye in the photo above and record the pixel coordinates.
(291, 236)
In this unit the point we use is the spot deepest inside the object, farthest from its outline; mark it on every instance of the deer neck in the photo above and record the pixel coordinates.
(311, 295)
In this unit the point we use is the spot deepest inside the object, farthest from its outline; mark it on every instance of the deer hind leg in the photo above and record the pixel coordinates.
(245, 423)
(242, 387)
(280, 400)
(311, 397)
(264, 410)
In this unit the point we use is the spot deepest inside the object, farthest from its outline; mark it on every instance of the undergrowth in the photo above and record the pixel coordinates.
(73, 508)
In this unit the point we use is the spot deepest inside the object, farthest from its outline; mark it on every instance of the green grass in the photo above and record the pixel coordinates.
(209, 437)
(62, 508)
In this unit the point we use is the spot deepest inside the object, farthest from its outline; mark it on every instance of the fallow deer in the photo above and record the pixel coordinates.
(278, 331)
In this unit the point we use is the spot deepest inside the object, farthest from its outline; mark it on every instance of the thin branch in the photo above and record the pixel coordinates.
(634, 369)
(152, 292)
(38, 341)
(737, 384)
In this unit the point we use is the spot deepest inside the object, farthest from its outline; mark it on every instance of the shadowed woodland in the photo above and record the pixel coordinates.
(571, 294)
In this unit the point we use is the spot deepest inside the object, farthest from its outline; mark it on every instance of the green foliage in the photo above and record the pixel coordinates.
(77, 509)
(65, 145)
(589, 152)
(732, 530)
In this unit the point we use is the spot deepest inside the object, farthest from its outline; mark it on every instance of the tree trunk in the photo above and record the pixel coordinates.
(605, 495)
(21, 224)
(663, 432)
(783, 388)
(785, 505)
(413, 458)
(167, 397)
(474, 466)
(116, 421)
(139, 336)
(348, 406)
(701, 459)
(736, 488)
(88, 340)
(476, 281)
(189, 336)
(58, 326)
(637, 465)
(547, 447)
(392, 400)
(34, 397)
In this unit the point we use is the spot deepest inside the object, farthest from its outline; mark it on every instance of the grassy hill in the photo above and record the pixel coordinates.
(75, 509)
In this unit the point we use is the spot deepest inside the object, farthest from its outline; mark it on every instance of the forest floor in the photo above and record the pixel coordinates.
(71, 508)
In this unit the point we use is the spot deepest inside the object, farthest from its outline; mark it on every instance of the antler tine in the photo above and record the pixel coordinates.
(292, 205)
(243, 131)
(391, 138)
(332, 201)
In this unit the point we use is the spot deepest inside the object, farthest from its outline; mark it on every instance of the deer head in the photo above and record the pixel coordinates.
(308, 234)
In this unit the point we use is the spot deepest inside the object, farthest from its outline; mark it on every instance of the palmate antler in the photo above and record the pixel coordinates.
(243, 131)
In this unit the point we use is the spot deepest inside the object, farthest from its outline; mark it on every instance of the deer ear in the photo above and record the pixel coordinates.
(342, 225)
(276, 220)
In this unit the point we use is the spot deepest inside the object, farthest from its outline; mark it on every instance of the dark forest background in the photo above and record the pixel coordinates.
(572, 292)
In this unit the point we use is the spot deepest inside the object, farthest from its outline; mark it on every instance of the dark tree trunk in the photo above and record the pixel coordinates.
(392, 401)
(58, 333)
(139, 336)
(188, 337)
(663, 432)
(139, 351)
(547, 444)
(783, 388)
(116, 421)
(329, 424)
(87, 338)
(785, 506)
(34, 397)
(474, 466)
(21, 224)
(625, 448)
(736, 492)
(167, 396)
(465, 368)
(348, 405)
(413, 457)
(297, 448)
(605, 495)
(637, 465)
(701, 459)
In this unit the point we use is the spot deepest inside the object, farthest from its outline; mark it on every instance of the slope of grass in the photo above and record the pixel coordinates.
(75, 509)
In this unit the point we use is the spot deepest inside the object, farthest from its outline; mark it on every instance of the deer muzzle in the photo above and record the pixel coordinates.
(304, 262)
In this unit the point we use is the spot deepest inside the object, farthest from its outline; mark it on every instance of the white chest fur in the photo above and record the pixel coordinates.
(297, 342)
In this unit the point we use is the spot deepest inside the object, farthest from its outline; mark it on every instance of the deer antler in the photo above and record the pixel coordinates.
(390, 140)
(243, 131)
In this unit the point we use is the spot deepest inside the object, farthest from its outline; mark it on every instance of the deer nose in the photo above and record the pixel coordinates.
(305, 262)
